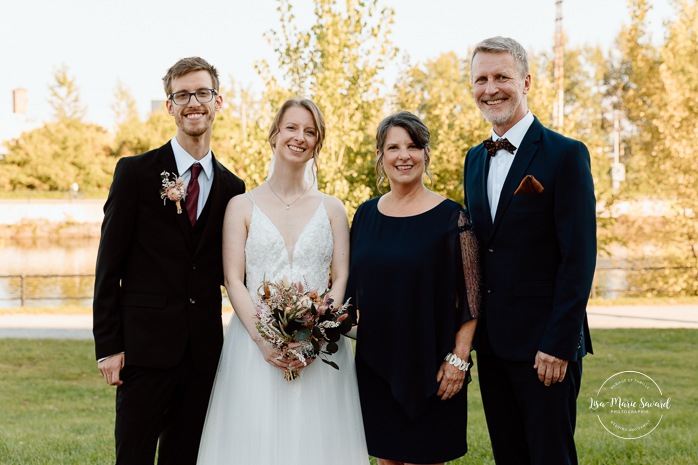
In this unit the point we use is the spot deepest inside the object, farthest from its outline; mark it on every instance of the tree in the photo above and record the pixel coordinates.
(240, 134)
(588, 116)
(338, 63)
(637, 90)
(657, 89)
(673, 163)
(439, 92)
(57, 154)
(64, 96)
(61, 152)
(130, 137)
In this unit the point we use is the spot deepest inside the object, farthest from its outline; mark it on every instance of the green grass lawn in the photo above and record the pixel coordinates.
(55, 408)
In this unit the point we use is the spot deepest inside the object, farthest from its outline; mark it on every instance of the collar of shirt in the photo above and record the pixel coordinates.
(517, 132)
(184, 160)
(500, 165)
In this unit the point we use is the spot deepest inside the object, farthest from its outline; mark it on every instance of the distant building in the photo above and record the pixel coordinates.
(15, 116)
(19, 101)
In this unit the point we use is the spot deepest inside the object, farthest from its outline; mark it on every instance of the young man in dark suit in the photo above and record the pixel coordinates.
(157, 300)
(531, 201)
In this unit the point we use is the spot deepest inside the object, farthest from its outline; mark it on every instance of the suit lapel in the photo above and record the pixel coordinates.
(524, 156)
(167, 160)
(475, 179)
(484, 170)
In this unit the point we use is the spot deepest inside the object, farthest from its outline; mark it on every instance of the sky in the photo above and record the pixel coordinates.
(134, 42)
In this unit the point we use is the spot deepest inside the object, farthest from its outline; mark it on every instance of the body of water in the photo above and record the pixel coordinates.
(47, 256)
(66, 269)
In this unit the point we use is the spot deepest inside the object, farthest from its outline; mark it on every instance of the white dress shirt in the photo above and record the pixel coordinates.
(184, 161)
(501, 163)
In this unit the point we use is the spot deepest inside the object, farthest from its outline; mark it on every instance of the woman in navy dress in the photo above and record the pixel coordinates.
(414, 280)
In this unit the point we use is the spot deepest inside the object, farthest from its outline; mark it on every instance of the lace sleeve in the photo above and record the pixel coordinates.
(470, 256)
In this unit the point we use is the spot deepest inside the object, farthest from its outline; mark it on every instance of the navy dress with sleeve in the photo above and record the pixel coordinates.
(407, 283)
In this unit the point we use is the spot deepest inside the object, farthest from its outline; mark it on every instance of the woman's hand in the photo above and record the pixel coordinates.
(451, 380)
(294, 363)
(276, 359)
(273, 356)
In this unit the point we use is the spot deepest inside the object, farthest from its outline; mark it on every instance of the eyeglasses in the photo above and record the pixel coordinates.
(183, 98)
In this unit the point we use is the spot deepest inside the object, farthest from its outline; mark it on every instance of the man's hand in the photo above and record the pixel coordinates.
(110, 368)
(550, 369)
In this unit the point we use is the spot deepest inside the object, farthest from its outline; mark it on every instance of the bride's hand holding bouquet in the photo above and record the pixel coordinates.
(276, 357)
(297, 325)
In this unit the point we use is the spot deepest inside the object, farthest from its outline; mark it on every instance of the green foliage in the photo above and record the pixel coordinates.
(439, 92)
(64, 96)
(660, 109)
(134, 136)
(58, 410)
(240, 135)
(57, 154)
(131, 137)
(588, 117)
(338, 63)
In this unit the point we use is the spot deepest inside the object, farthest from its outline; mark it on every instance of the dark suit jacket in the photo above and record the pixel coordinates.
(539, 254)
(157, 284)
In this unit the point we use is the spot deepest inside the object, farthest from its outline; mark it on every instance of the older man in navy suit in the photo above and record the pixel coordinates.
(530, 195)
(157, 300)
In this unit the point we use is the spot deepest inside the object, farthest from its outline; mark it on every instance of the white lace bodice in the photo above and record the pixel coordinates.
(267, 257)
(252, 405)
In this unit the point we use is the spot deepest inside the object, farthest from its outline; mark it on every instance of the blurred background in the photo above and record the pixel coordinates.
(81, 87)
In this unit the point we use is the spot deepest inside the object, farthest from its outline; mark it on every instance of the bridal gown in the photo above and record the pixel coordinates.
(255, 417)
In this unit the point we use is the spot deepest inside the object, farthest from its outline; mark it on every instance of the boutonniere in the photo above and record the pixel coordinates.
(172, 189)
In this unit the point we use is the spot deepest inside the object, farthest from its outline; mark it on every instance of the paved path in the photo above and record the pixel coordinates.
(80, 326)
(644, 316)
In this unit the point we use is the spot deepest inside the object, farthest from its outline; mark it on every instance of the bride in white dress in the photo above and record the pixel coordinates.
(285, 228)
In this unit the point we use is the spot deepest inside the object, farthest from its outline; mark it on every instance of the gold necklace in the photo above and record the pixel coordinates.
(288, 205)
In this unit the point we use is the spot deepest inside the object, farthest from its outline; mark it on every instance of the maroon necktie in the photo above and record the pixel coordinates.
(494, 146)
(192, 199)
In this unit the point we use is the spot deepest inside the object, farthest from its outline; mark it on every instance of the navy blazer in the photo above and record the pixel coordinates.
(158, 279)
(539, 253)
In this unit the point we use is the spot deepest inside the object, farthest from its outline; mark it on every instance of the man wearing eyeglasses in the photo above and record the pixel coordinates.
(157, 299)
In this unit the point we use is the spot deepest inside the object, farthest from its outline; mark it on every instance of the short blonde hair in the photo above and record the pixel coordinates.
(501, 44)
(186, 66)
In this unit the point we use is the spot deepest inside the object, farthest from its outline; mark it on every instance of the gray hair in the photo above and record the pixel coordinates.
(501, 44)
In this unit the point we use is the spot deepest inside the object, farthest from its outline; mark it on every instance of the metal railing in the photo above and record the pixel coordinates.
(23, 294)
(20, 291)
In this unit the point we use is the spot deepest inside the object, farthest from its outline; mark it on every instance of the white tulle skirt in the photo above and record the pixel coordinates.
(255, 417)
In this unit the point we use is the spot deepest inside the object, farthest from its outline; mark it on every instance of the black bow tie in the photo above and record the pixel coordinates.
(494, 146)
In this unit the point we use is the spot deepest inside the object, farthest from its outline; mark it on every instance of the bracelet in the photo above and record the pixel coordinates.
(457, 362)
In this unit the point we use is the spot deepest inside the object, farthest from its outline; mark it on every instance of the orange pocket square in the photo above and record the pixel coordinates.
(529, 185)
